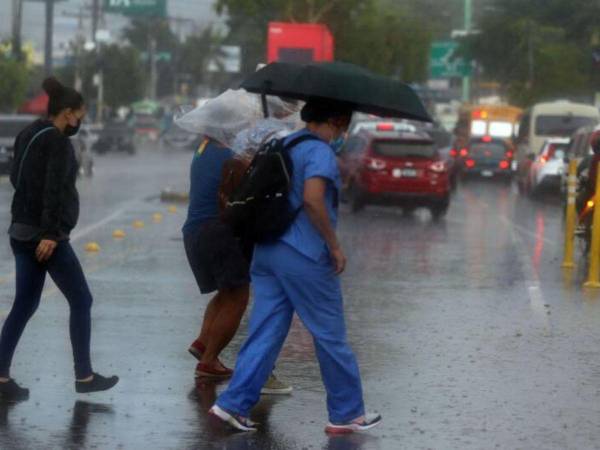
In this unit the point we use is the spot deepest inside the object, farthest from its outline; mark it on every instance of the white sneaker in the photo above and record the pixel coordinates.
(273, 386)
(238, 422)
(370, 421)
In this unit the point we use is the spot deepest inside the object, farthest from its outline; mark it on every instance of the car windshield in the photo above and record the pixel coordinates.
(561, 125)
(404, 148)
(496, 149)
(556, 150)
(11, 128)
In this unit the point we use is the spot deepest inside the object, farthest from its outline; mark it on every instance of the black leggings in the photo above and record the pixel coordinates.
(66, 272)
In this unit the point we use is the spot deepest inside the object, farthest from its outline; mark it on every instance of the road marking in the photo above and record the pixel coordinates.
(83, 232)
(523, 230)
(93, 227)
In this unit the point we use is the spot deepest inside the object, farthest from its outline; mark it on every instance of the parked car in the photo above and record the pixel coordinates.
(147, 127)
(117, 136)
(10, 126)
(547, 168)
(402, 168)
(176, 138)
(380, 125)
(487, 157)
(83, 153)
(544, 121)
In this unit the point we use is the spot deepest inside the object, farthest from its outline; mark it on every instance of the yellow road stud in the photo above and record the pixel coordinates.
(92, 247)
(571, 218)
(119, 234)
(157, 218)
(172, 209)
(593, 280)
(139, 224)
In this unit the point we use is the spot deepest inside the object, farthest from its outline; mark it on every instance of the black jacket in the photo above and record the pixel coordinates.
(46, 197)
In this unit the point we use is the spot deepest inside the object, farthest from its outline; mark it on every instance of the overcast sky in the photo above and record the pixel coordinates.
(66, 26)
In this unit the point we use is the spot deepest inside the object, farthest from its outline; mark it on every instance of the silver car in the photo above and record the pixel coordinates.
(10, 126)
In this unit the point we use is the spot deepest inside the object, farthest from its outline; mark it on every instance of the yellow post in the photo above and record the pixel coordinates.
(571, 218)
(593, 280)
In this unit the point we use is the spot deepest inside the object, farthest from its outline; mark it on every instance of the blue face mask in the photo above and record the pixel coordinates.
(337, 144)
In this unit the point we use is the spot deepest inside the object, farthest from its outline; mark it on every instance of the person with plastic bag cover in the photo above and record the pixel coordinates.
(219, 260)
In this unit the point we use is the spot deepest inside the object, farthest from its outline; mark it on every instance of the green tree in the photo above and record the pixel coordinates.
(538, 49)
(196, 53)
(14, 81)
(123, 74)
(398, 34)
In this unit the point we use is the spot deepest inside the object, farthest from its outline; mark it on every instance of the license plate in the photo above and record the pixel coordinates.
(487, 173)
(404, 173)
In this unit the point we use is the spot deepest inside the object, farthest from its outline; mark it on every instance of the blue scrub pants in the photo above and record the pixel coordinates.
(285, 281)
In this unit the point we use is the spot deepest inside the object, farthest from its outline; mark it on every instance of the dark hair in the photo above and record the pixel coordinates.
(322, 110)
(61, 97)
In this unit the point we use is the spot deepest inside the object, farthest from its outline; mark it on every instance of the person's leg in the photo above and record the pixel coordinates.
(230, 308)
(196, 252)
(315, 293)
(66, 271)
(30, 277)
(210, 315)
(269, 325)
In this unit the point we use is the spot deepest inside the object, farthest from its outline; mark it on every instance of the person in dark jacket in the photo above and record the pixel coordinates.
(45, 209)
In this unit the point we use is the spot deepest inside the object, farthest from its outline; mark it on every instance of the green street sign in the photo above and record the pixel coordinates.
(137, 8)
(443, 63)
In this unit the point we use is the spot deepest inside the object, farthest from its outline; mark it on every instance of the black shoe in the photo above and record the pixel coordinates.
(12, 392)
(97, 384)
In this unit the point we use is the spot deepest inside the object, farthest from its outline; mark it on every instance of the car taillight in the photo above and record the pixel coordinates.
(385, 127)
(486, 139)
(438, 167)
(453, 153)
(464, 152)
(375, 164)
(504, 165)
(510, 154)
(470, 163)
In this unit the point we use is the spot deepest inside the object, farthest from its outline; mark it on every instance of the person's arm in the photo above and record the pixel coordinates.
(316, 209)
(55, 177)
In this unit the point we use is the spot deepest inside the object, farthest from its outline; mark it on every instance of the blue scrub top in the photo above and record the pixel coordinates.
(311, 159)
(205, 179)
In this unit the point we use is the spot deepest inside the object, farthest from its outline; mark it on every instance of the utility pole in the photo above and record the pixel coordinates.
(17, 21)
(466, 81)
(49, 35)
(153, 68)
(95, 18)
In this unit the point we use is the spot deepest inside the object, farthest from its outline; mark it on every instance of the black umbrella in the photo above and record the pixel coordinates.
(363, 90)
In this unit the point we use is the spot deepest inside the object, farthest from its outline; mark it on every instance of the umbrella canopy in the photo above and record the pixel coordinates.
(363, 90)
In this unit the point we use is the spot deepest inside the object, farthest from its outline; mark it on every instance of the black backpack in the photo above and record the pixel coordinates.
(258, 209)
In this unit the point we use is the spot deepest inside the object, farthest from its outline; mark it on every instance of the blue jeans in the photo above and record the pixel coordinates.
(66, 272)
(285, 281)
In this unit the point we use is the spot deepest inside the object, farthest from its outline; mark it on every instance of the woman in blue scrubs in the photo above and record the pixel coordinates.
(300, 273)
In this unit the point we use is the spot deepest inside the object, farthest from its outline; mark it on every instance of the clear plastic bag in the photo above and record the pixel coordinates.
(226, 116)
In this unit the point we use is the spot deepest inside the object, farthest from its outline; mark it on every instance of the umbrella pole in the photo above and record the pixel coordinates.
(265, 105)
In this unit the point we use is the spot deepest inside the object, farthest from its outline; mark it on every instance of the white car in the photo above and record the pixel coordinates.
(548, 167)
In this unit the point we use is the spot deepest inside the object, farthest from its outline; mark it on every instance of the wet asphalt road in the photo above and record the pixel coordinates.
(468, 333)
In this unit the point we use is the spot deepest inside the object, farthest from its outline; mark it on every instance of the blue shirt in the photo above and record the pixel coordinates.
(205, 178)
(311, 159)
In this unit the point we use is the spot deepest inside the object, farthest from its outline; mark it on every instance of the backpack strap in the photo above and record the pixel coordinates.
(26, 152)
(301, 139)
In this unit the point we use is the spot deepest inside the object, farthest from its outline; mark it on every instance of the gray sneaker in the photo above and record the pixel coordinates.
(273, 386)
